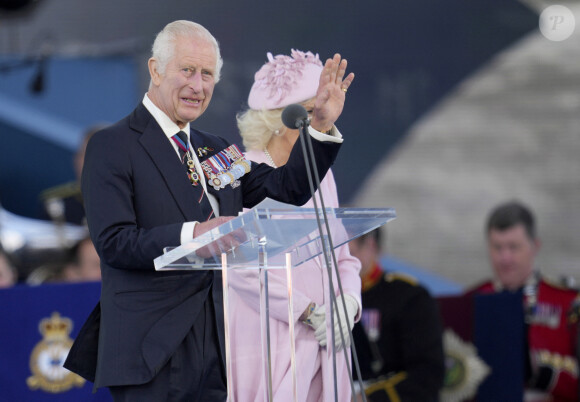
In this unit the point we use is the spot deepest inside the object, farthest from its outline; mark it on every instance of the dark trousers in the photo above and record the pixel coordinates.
(195, 372)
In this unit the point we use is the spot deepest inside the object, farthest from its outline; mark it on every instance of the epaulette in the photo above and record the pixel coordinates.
(70, 189)
(398, 276)
(562, 283)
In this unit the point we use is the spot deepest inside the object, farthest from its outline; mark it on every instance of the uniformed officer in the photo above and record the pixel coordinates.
(551, 308)
(398, 339)
(64, 203)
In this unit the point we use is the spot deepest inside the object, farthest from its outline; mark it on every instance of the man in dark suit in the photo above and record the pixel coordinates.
(159, 336)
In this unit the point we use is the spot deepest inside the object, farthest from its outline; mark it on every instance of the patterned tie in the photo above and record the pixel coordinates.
(183, 145)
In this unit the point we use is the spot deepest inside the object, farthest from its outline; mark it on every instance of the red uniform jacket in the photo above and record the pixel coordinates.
(551, 313)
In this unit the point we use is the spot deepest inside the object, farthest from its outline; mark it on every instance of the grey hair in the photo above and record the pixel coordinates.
(164, 44)
(257, 126)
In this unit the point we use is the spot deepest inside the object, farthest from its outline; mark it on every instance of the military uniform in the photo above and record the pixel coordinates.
(399, 340)
(551, 312)
(64, 203)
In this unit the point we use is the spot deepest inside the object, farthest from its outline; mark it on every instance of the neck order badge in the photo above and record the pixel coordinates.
(184, 152)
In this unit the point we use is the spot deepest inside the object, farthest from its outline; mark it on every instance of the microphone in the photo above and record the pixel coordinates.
(295, 116)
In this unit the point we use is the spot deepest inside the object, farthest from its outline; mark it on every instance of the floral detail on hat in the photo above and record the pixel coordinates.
(281, 73)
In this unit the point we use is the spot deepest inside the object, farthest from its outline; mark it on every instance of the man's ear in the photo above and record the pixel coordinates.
(153, 72)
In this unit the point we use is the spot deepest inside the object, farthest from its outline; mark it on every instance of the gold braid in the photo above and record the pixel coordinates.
(388, 386)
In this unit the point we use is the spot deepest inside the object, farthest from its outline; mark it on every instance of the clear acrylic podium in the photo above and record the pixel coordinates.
(270, 236)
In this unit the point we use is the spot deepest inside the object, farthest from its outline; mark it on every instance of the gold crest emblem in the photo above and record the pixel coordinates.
(465, 370)
(48, 356)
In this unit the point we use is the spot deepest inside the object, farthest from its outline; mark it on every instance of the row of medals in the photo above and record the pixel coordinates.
(242, 165)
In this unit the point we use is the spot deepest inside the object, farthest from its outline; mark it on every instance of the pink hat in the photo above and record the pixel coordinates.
(284, 80)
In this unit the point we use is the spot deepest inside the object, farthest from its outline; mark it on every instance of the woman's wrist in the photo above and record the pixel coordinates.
(306, 313)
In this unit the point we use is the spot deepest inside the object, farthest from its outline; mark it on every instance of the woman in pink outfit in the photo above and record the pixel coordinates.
(285, 80)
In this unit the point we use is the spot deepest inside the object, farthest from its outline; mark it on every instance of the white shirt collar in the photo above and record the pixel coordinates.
(170, 129)
(166, 124)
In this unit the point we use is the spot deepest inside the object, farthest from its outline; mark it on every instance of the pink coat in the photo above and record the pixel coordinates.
(313, 363)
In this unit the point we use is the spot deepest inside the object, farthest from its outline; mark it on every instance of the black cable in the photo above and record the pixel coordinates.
(339, 283)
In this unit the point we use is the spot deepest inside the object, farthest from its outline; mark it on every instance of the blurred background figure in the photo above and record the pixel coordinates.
(34, 243)
(82, 264)
(8, 273)
(85, 264)
(51, 272)
(64, 203)
(399, 336)
(551, 309)
(282, 81)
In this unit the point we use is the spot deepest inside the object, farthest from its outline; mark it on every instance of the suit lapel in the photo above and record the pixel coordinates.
(163, 156)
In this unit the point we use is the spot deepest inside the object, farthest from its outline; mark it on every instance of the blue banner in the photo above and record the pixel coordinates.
(499, 335)
(484, 347)
(38, 326)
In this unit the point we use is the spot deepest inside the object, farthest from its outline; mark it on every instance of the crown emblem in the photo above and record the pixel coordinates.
(48, 356)
(55, 327)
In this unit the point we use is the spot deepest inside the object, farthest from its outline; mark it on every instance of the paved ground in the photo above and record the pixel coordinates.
(510, 131)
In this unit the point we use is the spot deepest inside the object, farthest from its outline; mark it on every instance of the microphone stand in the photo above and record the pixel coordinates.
(328, 248)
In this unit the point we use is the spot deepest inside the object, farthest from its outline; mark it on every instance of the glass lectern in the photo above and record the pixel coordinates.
(270, 236)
